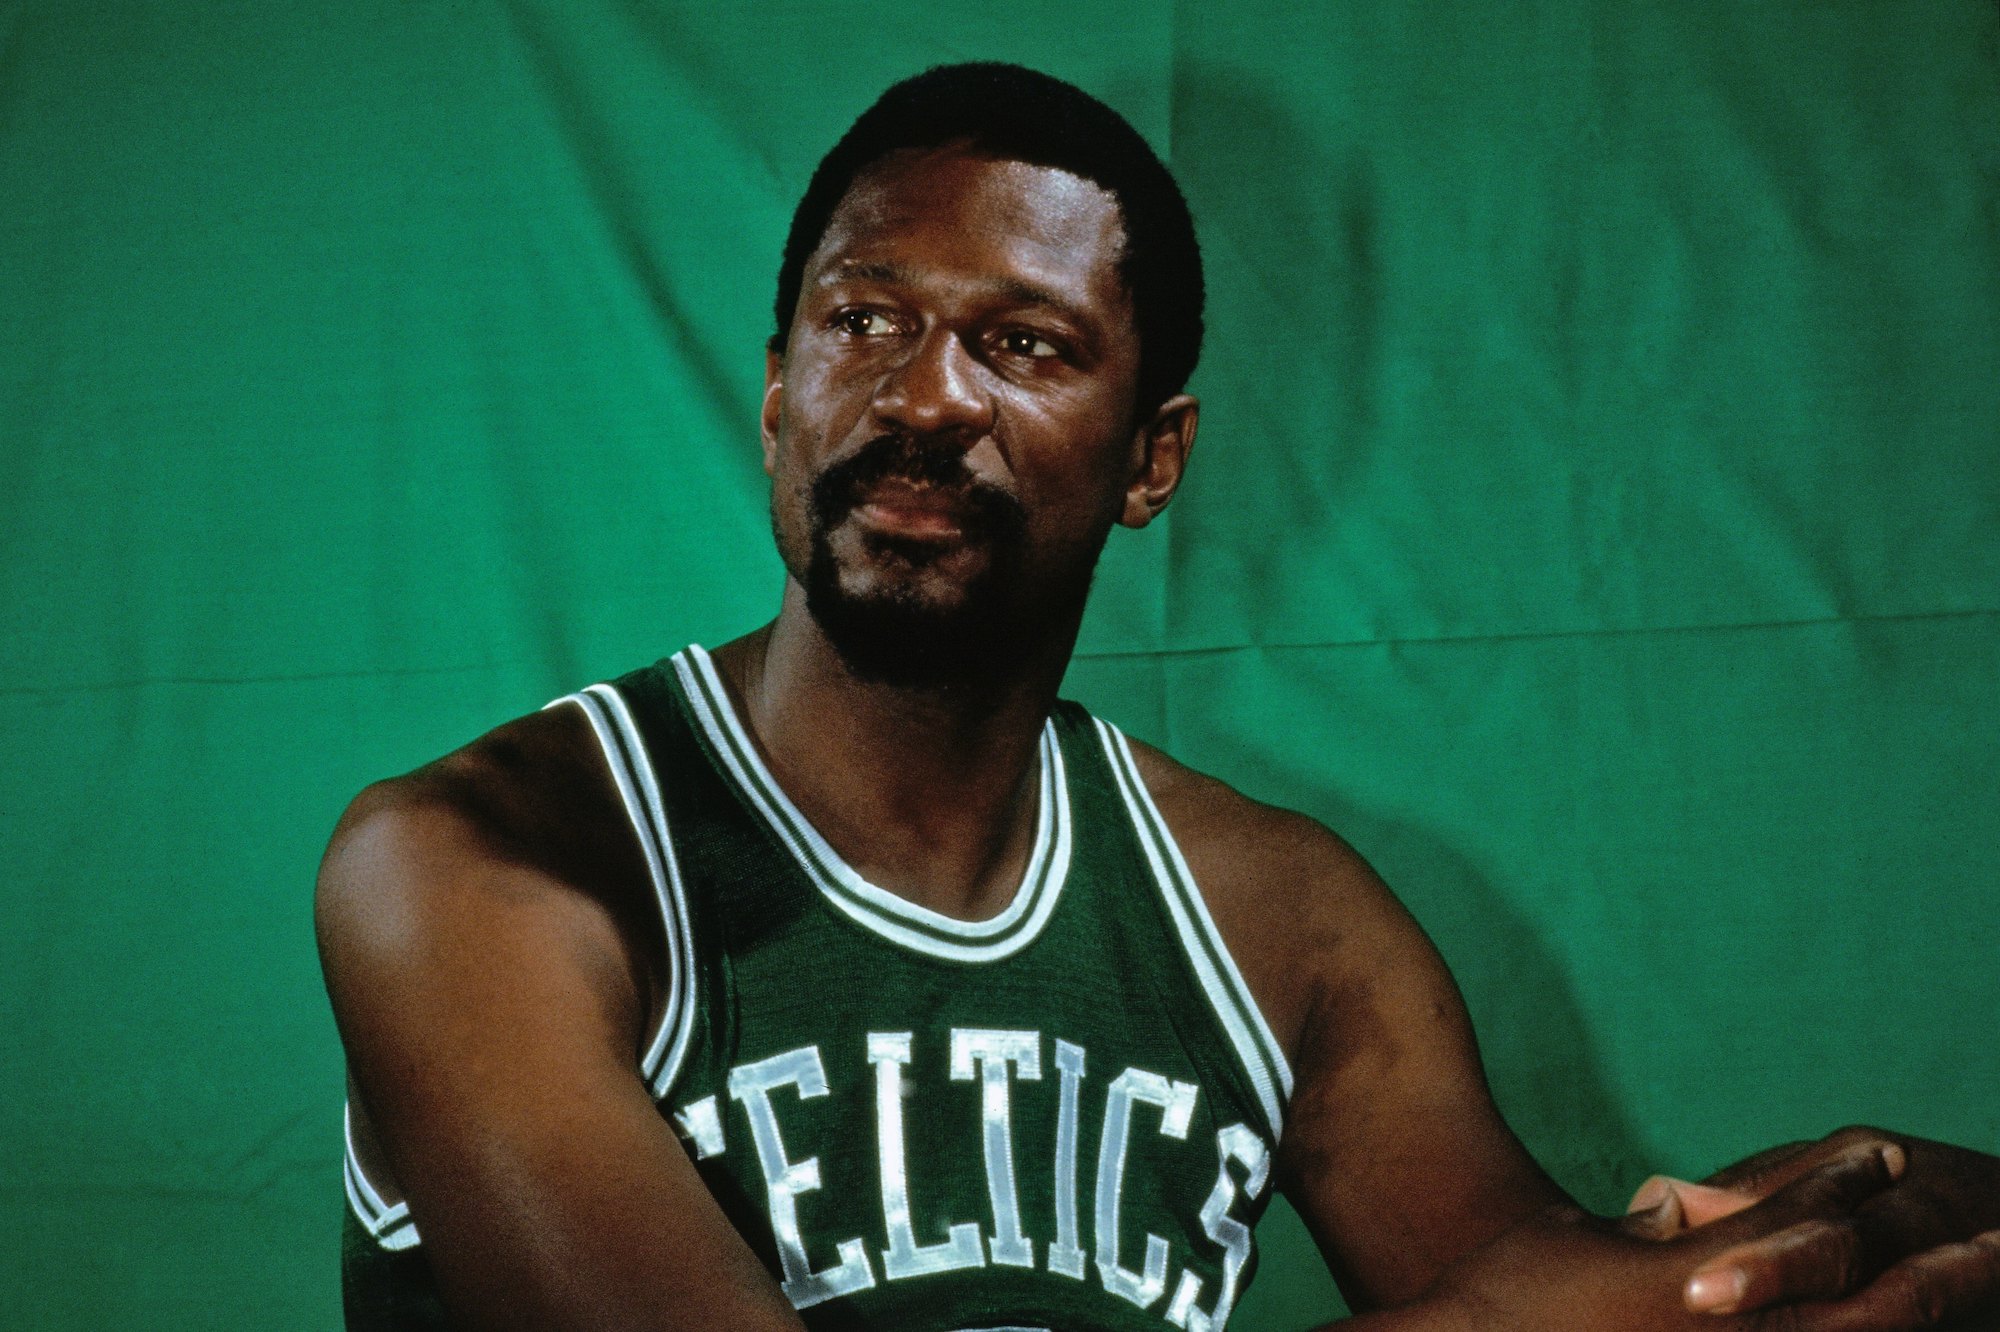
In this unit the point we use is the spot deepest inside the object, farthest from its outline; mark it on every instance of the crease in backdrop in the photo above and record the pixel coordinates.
(1596, 519)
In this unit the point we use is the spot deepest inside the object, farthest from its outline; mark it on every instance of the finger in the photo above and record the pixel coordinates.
(1656, 1190)
(1768, 1171)
(1833, 1189)
(1701, 1204)
(1821, 1258)
(1953, 1286)
(1813, 1260)
(1809, 1240)
(1663, 1207)
(1655, 1210)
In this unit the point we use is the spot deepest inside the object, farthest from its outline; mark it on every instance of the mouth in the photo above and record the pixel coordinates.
(913, 511)
(914, 499)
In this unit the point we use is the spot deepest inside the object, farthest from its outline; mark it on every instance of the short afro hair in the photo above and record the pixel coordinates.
(1018, 115)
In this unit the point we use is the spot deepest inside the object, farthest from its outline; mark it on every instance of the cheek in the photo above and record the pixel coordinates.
(1071, 508)
(1089, 465)
(789, 458)
(791, 524)
(788, 461)
(813, 418)
(791, 489)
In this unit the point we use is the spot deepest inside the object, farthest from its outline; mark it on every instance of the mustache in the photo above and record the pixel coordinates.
(929, 461)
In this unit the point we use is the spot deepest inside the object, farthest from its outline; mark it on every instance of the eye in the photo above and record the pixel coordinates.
(1022, 342)
(861, 323)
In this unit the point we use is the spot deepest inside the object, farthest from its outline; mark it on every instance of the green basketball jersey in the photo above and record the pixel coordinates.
(1060, 1117)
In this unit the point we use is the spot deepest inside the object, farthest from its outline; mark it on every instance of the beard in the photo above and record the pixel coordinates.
(902, 632)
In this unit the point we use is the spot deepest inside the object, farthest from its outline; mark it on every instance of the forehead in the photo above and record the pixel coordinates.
(949, 213)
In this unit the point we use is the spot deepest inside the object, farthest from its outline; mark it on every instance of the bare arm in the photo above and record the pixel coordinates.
(1571, 1271)
(1429, 1210)
(1851, 1240)
(1394, 1153)
(491, 1011)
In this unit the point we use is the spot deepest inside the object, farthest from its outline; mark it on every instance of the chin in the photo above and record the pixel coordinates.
(901, 628)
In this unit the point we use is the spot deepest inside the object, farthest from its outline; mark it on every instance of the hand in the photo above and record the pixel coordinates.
(1928, 1244)
(1570, 1271)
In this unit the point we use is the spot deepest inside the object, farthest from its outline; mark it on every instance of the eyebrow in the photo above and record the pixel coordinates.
(1023, 293)
(849, 270)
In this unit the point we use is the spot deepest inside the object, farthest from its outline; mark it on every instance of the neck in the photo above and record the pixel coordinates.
(930, 793)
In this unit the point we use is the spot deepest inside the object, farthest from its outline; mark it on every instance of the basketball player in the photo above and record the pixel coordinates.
(844, 977)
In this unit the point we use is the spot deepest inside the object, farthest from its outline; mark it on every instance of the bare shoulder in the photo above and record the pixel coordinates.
(532, 791)
(491, 950)
(510, 857)
(1303, 914)
(532, 795)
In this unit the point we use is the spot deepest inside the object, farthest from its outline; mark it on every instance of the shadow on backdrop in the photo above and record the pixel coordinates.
(1266, 193)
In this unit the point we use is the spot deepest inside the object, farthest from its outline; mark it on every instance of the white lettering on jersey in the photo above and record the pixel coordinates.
(890, 1052)
(784, 1180)
(1065, 1254)
(702, 1123)
(995, 1058)
(993, 1052)
(1235, 1143)
(1176, 1103)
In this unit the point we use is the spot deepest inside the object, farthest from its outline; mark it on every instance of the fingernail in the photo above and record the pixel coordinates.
(1650, 1195)
(1719, 1291)
(1895, 1159)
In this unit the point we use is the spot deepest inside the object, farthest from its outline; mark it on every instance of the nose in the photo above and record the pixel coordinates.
(937, 389)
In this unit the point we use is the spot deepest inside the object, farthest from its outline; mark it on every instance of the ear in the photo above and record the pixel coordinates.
(774, 403)
(1160, 449)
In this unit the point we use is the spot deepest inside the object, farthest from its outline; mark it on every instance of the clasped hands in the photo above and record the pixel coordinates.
(1863, 1231)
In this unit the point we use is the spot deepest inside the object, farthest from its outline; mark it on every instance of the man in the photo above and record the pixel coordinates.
(845, 978)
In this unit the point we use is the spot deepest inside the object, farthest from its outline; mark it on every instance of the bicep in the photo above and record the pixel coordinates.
(1395, 1154)
(490, 1022)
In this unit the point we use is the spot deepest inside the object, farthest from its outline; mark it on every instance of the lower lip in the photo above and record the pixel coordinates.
(911, 520)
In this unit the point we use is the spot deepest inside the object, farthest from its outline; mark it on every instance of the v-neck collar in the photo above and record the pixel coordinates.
(887, 914)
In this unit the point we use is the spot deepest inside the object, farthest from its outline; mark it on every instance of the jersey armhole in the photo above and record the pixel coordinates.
(1235, 1007)
(638, 785)
(390, 1225)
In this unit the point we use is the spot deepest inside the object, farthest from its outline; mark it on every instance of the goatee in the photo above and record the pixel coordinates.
(899, 636)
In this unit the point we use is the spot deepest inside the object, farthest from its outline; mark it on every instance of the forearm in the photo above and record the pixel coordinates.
(1565, 1270)
(1481, 1291)
(1559, 1270)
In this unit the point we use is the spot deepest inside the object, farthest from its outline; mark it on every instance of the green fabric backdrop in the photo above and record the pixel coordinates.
(1595, 518)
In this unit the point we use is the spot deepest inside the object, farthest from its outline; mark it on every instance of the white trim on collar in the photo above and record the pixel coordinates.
(885, 913)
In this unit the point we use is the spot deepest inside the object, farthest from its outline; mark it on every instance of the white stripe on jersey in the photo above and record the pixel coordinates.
(639, 790)
(1256, 1047)
(639, 787)
(378, 1217)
